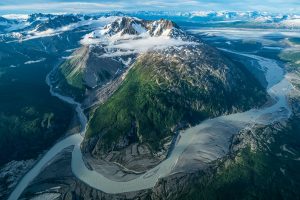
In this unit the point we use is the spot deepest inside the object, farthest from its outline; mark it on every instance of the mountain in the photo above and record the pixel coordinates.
(94, 65)
(26, 27)
(5, 23)
(42, 22)
(84, 70)
(134, 26)
(173, 81)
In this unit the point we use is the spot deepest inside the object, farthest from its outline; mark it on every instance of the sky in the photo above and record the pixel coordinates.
(92, 6)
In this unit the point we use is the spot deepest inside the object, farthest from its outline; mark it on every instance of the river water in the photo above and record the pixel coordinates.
(278, 88)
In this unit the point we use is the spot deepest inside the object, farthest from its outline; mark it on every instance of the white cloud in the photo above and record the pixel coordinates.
(292, 23)
(179, 5)
(118, 53)
(128, 45)
(149, 43)
(92, 6)
(16, 16)
(262, 35)
(72, 7)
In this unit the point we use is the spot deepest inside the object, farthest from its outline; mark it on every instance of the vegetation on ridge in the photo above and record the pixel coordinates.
(156, 97)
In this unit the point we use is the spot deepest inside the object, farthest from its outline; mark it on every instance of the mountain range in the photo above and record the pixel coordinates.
(41, 25)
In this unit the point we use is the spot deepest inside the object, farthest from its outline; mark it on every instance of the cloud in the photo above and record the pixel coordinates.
(70, 7)
(142, 45)
(9, 6)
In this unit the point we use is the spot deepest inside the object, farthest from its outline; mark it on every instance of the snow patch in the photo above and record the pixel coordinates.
(139, 29)
(34, 61)
(201, 13)
(67, 57)
(263, 19)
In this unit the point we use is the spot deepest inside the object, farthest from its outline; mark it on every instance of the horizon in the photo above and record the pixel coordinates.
(168, 12)
(93, 6)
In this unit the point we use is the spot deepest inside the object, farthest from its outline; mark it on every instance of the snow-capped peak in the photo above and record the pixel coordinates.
(129, 35)
(133, 26)
(125, 28)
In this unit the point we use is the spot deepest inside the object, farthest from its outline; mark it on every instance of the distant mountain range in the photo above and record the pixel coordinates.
(40, 25)
(254, 16)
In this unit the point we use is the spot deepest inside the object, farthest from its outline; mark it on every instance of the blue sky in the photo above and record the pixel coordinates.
(79, 6)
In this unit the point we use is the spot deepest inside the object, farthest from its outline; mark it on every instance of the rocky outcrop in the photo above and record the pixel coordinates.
(134, 26)
(86, 71)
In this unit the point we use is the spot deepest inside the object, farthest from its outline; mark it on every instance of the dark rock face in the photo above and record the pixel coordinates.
(134, 26)
(124, 25)
(86, 71)
(105, 68)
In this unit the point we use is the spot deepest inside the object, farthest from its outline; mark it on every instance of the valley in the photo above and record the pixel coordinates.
(155, 105)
